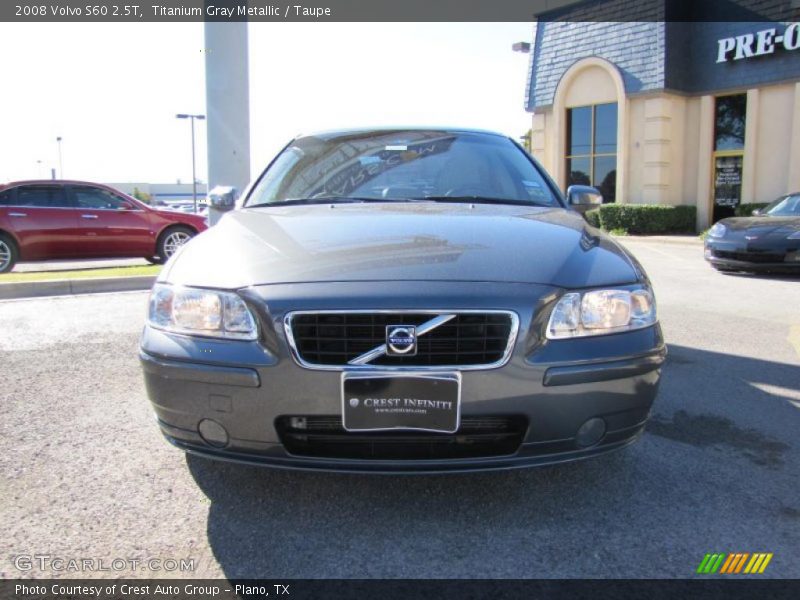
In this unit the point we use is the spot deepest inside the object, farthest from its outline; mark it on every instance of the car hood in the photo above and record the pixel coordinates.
(761, 225)
(401, 242)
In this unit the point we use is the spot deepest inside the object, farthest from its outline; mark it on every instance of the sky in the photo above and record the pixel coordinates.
(111, 90)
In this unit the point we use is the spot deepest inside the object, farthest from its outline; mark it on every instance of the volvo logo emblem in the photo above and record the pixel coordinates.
(401, 340)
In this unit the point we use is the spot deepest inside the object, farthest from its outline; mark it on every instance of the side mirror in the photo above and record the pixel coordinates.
(222, 198)
(583, 197)
(757, 212)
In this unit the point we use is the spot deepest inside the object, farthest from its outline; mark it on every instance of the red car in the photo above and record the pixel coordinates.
(47, 219)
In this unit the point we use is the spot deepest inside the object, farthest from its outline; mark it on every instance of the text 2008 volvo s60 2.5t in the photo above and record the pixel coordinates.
(403, 300)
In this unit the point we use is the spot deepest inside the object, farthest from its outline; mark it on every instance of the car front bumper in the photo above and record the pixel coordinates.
(551, 387)
(737, 256)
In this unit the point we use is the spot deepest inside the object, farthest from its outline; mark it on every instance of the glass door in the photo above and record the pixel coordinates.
(728, 158)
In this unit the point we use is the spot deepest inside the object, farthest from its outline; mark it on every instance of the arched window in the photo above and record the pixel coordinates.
(591, 149)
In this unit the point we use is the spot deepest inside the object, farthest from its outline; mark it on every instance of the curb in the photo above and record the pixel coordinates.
(69, 287)
(683, 241)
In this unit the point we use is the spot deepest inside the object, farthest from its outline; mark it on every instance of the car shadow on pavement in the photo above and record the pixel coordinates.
(789, 276)
(717, 416)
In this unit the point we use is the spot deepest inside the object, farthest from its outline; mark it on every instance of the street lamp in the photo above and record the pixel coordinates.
(194, 178)
(60, 164)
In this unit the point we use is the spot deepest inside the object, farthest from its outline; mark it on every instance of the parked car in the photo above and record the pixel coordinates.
(403, 300)
(43, 220)
(202, 209)
(768, 241)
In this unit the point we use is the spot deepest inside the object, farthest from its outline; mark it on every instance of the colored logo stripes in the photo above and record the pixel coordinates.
(735, 563)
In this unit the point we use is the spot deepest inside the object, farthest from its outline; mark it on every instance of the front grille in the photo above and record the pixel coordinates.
(753, 257)
(324, 437)
(469, 339)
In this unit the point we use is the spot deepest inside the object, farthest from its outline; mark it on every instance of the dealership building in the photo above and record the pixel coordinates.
(658, 111)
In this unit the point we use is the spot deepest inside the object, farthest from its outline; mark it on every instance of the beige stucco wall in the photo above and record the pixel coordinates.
(690, 151)
(665, 141)
(773, 141)
(636, 155)
(593, 86)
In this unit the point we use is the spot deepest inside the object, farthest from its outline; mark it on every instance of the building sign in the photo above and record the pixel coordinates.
(728, 180)
(759, 43)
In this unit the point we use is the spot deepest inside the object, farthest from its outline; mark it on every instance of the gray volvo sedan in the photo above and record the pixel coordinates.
(403, 300)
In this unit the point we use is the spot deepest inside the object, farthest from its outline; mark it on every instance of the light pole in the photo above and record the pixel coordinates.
(524, 48)
(60, 164)
(194, 177)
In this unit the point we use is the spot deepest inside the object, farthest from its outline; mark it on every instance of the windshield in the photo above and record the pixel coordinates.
(403, 166)
(787, 206)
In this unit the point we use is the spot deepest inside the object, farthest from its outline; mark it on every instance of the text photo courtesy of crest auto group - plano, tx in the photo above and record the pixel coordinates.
(370, 299)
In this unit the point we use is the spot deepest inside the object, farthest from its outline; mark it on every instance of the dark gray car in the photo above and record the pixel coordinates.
(403, 300)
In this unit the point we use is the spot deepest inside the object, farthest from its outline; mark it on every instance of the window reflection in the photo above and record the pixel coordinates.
(605, 129)
(731, 112)
(579, 133)
(579, 171)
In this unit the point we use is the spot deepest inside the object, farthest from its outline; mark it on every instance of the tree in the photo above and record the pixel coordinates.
(526, 140)
(142, 196)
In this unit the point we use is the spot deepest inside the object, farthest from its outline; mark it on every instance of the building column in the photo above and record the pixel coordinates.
(750, 148)
(227, 104)
(793, 176)
(657, 150)
(538, 137)
(623, 147)
(705, 143)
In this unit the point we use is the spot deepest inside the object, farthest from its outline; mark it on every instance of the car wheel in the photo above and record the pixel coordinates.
(8, 254)
(172, 239)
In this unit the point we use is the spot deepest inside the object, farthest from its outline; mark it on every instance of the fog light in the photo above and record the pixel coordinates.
(213, 433)
(591, 432)
(298, 423)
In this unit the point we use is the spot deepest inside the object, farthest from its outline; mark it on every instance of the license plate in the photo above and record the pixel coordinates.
(375, 402)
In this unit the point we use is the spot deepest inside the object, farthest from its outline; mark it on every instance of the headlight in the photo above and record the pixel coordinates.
(600, 312)
(717, 230)
(196, 311)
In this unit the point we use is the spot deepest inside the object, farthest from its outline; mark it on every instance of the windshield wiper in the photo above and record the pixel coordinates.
(485, 200)
(331, 200)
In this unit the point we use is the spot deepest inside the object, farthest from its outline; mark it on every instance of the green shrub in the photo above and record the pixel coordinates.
(142, 196)
(593, 217)
(647, 218)
(746, 210)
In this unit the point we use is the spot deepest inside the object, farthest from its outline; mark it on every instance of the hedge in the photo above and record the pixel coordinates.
(644, 218)
(746, 210)
(593, 217)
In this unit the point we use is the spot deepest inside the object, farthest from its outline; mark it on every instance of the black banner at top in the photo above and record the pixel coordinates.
(134, 11)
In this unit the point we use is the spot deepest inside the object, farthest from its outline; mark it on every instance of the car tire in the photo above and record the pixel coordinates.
(8, 253)
(172, 239)
(155, 260)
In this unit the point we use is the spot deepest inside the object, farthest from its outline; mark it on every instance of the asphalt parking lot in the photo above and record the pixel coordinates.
(85, 473)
